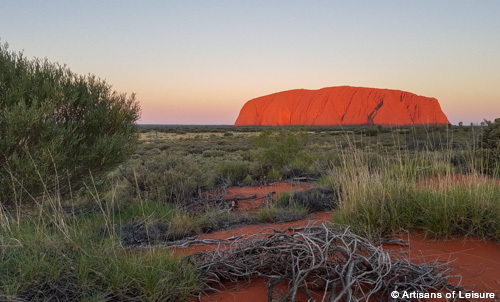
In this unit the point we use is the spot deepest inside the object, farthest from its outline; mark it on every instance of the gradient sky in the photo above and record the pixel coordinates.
(198, 62)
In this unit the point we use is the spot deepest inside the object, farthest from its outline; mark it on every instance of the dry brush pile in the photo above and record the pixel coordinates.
(322, 258)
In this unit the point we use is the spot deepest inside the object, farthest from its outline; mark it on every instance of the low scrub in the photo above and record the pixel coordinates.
(39, 263)
(284, 147)
(313, 200)
(231, 173)
(167, 177)
(376, 203)
(273, 213)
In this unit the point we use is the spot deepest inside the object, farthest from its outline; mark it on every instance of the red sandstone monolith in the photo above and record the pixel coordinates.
(342, 105)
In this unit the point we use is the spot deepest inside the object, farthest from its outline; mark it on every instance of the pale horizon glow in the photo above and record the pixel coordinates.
(198, 62)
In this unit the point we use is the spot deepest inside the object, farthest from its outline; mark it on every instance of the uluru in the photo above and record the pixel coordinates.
(343, 105)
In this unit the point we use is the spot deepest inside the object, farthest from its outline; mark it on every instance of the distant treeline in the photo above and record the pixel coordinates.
(183, 129)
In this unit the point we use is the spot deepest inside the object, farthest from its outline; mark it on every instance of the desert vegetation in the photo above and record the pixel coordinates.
(91, 202)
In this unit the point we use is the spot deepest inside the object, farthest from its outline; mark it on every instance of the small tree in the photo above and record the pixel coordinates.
(57, 127)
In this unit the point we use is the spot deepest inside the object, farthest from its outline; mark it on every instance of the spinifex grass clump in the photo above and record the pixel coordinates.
(471, 209)
(42, 261)
(389, 198)
(313, 200)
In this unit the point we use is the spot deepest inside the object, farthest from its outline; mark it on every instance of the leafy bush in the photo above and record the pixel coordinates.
(491, 135)
(273, 174)
(233, 172)
(491, 142)
(57, 126)
(283, 147)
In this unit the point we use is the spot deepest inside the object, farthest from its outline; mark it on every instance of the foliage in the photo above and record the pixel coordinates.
(490, 141)
(274, 213)
(283, 147)
(491, 135)
(233, 172)
(166, 177)
(57, 126)
(376, 202)
(273, 174)
(107, 250)
(42, 265)
(313, 200)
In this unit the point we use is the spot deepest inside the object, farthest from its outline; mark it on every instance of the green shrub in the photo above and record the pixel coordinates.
(213, 153)
(490, 141)
(57, 126)
(168, 177)
(313, 200)
(491, 135)
(248, 180)
(234, 172)
(273, 174)
(267, 214)
(281, 148)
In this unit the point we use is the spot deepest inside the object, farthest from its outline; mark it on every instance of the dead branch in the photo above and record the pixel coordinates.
(326, 258)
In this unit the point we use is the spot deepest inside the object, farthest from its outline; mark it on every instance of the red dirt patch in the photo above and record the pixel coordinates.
(276, 187)
(253, 291)
(453, 180)
(476, 260)
(261, 192)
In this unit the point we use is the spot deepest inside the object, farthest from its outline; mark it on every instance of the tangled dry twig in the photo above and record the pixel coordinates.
(327, 258)
(217, 200)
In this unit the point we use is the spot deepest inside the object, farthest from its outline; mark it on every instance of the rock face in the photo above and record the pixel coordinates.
(343, 105)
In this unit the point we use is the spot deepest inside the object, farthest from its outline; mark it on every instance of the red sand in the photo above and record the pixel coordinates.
(248, 230)
(477, 261)
(253, 291)
(343, 105)
(261, 191)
